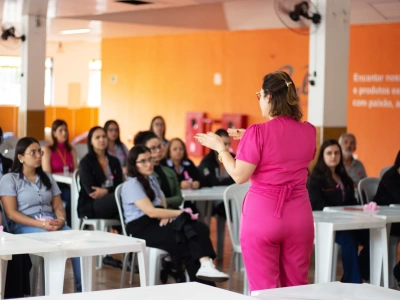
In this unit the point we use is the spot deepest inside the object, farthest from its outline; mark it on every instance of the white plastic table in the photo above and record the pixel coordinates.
(177, 291)
(328, 291)
(388, 213)
(327, 223)
(84, 244)
(63, 178)
(13, 244)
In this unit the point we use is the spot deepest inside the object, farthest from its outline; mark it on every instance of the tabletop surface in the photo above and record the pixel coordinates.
(178, 291)
(18, 244)
(83, 239)
(384, 211)
(64, 178)
(343, 217)
(329, 291)
(207, 193)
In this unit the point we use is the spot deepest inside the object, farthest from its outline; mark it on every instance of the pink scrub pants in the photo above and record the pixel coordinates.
(277, 236)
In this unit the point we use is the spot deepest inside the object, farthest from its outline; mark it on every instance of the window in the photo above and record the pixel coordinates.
(94, 97)
(10, 81)
(48, 82)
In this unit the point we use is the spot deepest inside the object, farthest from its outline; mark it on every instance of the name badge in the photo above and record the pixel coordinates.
(66, 170)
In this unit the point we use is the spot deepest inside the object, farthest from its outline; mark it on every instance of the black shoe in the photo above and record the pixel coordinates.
(109, 260)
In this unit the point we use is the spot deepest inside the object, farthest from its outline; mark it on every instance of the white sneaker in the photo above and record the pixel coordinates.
(208, 272)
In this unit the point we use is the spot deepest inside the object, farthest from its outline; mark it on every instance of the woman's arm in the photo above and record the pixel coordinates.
(239, 170)
(58, 208)
(46, 159)
(74, 159)
(10, 208)
(86, 176)
(147, 207)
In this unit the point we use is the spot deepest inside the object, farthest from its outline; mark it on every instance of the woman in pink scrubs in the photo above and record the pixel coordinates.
(277, 229)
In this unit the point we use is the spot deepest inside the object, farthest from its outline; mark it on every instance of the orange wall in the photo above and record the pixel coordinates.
(171, 75)
(374, 50)
(9, 119)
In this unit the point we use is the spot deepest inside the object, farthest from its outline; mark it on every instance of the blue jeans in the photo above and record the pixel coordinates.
(76, 263)
(355, 266)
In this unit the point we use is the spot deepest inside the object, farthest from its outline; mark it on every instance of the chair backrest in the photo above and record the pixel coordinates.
(81, 150)
(75, 178)
(383, 171)
(9, 153)
(118, 199)
(233, 199)
(367, 188)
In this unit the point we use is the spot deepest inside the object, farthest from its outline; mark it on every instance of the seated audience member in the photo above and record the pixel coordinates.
(329, 185)
(354, 168)
(31, 197)
(210, 167)
(177, 159)
(99, 174)
(214, 173)
(115, 146)
(5, 163)
(171, 230)
(158, 127)
(389, 190)
(165, 176)
(60, 157)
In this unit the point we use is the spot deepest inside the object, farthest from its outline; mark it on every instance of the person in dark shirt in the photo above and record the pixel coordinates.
(329, 185)
(177, 159)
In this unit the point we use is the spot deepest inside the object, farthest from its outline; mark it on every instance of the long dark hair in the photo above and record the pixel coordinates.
(322, 171)
(142, 137)
(57, 123)
(17, 166)
(107, 124)
(152, 123)
(89, 140)
(133, 171)
(168, 153)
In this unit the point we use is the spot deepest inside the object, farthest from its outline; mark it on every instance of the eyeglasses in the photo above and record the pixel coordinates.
(37, 152)
(113, 129)
(146, 161)
(155, 148)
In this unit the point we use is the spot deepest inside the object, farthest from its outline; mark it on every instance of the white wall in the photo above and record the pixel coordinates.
(70, 65)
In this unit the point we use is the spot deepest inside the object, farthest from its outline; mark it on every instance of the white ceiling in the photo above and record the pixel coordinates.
(107, 18)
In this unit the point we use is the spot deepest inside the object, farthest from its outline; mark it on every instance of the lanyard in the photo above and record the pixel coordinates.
(63, 156)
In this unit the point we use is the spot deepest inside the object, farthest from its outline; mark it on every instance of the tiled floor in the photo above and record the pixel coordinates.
(110, 278)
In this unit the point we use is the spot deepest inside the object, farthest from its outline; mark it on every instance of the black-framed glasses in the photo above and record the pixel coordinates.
(145, 161)
(155, 148)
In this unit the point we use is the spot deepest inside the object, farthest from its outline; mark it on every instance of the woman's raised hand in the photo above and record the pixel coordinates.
(210, 140)
(236, 134)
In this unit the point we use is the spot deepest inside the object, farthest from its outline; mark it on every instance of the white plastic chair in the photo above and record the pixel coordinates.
(367, 188)
(97, 224)
(383, 171)
(233, 199)
(154, 254)
(81, 150)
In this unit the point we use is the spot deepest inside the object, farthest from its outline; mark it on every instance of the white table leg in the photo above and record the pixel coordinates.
(324, 240)
(3, 272)
(54, 271)
(87, 273)
(142, 262)
(379, 255)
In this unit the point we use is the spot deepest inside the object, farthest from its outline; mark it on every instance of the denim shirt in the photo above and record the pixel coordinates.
(32, 198)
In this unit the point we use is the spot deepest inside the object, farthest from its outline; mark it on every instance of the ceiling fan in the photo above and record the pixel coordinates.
(301, 17)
